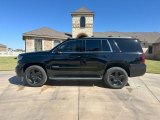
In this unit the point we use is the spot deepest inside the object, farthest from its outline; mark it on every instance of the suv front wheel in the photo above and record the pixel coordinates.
(35, 76)
(116, 77)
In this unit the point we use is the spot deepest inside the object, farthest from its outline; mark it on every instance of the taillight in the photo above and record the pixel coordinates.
(143, 58)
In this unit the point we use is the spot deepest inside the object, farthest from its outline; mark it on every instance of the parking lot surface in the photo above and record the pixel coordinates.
(80, 100)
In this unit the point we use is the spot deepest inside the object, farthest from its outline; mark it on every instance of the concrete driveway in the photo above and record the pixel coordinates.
(80, 100)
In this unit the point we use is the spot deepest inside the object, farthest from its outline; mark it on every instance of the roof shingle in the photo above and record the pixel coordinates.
(158, 40)
(82, 10)
(150, 37)
(46, 32)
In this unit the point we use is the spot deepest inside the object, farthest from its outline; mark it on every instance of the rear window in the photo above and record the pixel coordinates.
(128, 45)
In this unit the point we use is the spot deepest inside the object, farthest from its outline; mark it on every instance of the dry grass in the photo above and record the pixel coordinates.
(153, 66)
(8, 63)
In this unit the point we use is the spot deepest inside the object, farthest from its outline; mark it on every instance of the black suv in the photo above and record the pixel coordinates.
(108, 59)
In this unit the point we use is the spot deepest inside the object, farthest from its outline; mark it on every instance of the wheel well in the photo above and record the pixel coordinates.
(30, 64)
(121, 65)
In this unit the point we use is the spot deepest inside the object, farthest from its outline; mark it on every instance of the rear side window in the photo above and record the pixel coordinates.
(105, 45)
(93, 45)
(127, 45)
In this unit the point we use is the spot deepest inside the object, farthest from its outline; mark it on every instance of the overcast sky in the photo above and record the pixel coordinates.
(19, 16)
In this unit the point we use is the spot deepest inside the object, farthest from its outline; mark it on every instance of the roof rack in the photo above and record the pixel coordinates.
(103, 37)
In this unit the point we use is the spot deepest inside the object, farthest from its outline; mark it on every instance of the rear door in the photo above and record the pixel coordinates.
(95, 58)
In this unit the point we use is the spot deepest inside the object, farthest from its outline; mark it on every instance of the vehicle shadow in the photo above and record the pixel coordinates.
(90, 83)
(17, 81)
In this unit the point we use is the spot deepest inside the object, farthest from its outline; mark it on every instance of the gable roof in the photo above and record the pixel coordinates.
(82, 10)
(150, 37)
(46, 32)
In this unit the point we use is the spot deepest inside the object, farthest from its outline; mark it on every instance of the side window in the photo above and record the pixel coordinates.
(71, 46)
(93, 45)
(105, 45)
(114, 47)
(127, 45)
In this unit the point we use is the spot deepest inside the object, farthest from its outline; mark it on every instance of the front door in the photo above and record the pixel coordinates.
(66, 59)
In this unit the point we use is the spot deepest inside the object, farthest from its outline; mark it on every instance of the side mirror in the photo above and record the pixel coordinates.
(57, 51)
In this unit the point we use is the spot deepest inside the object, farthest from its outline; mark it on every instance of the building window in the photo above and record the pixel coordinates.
(56, 42)
(150, 49)
(38, 44)
(82, 21)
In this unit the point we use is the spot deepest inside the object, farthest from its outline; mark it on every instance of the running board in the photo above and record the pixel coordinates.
(73, 78)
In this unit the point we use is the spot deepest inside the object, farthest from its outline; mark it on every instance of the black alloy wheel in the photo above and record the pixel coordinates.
(116, 77)
(35, 76)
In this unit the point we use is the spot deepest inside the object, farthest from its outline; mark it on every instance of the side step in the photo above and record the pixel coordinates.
(74, 78)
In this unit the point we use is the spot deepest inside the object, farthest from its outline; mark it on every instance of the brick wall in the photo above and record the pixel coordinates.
(156, 51)
(29, 45)
(47, 44)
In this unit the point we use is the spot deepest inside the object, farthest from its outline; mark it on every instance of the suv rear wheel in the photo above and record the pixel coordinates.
(35, 76)
(116, 78)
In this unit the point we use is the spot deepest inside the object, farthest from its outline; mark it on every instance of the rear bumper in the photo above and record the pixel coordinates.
(137, 70)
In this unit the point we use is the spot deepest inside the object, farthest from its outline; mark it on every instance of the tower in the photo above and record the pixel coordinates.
(82, 23)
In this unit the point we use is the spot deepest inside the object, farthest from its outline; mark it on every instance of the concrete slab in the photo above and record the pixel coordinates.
(79, 100)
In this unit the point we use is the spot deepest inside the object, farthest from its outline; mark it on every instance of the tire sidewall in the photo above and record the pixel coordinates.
(43, 74)
(111, 70)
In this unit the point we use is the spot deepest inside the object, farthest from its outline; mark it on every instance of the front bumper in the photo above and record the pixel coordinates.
(137, 70)
(19, 71)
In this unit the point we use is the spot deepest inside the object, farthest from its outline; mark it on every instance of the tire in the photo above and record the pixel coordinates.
(116, 78)
(35, 76)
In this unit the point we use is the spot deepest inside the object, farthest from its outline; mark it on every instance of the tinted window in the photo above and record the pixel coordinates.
(93, 45)
(71, 46)
(105, 45)
(114, 47)
(127, 45)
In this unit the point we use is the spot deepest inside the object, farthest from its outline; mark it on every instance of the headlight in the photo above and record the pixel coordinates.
(20, 57)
